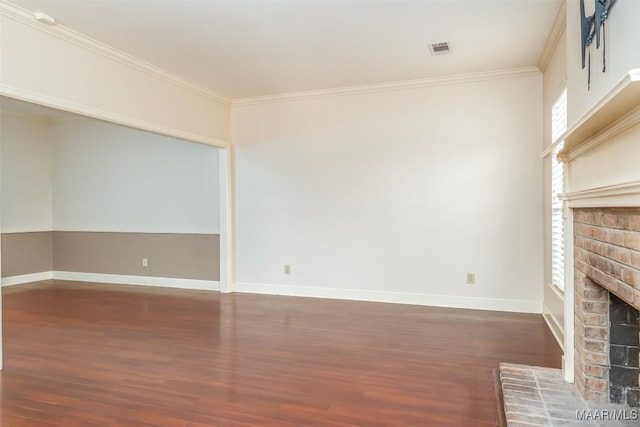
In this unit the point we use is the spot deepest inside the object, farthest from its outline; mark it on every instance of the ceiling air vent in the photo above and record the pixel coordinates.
(439, 47)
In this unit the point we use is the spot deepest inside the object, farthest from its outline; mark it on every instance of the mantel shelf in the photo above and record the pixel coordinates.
(617, 105)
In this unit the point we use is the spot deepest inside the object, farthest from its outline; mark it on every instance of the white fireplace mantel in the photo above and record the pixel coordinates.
(617, 112)
(599, 152)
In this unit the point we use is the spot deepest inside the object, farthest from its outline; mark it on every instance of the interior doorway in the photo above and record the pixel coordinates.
(85, 199)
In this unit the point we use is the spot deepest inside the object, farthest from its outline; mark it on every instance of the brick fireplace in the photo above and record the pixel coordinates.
(607, 299)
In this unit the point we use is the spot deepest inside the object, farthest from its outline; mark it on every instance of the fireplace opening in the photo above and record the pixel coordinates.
(624, 352)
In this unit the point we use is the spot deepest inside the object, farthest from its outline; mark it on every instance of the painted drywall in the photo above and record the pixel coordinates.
(25, 174)
(395, 195)
(117, 195)
(183, 256)
(180, 256)
(27, 253)
(554, 82)
(623, 54)
(47, 65)
(110, 178)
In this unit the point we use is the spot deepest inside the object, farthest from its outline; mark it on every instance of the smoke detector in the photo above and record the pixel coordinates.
(44, 18)
(438, 48)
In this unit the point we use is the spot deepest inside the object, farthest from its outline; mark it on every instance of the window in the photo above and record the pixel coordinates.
(558, 127)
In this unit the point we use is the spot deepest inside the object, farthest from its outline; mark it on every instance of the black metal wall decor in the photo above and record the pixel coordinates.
(591, 26)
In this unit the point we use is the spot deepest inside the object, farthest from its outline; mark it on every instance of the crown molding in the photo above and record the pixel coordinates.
(64, 33)
(97, 113)
(559, 26)
(67, 34)
(391, 86)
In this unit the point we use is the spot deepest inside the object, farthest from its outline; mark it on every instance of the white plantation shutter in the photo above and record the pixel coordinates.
(558, 127)
(557, 224)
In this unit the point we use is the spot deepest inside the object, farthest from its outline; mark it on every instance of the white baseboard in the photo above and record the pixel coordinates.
(165, 282)
(477, 303)
(554, 327)
(27, 278)
(494, 304)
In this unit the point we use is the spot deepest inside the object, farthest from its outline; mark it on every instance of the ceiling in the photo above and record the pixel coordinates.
(246, 48)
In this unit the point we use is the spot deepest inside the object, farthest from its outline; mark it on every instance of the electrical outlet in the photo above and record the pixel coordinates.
(287, 269)
(145, 262)
(471, 278)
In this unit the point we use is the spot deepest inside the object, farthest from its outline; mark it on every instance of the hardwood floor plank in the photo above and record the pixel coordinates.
(80, 354)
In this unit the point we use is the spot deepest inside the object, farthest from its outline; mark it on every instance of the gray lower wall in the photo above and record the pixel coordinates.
(27, 253)
(182, 256)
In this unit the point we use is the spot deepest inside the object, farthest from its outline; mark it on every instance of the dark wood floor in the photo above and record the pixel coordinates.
(86, 355)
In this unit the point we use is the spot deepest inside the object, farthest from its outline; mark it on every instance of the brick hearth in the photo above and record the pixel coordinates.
(535, 396)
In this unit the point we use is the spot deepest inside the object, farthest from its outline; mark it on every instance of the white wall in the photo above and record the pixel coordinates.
(54, 66)
(623, 54)
(26, 173)
(395, 196)
(111, 178)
